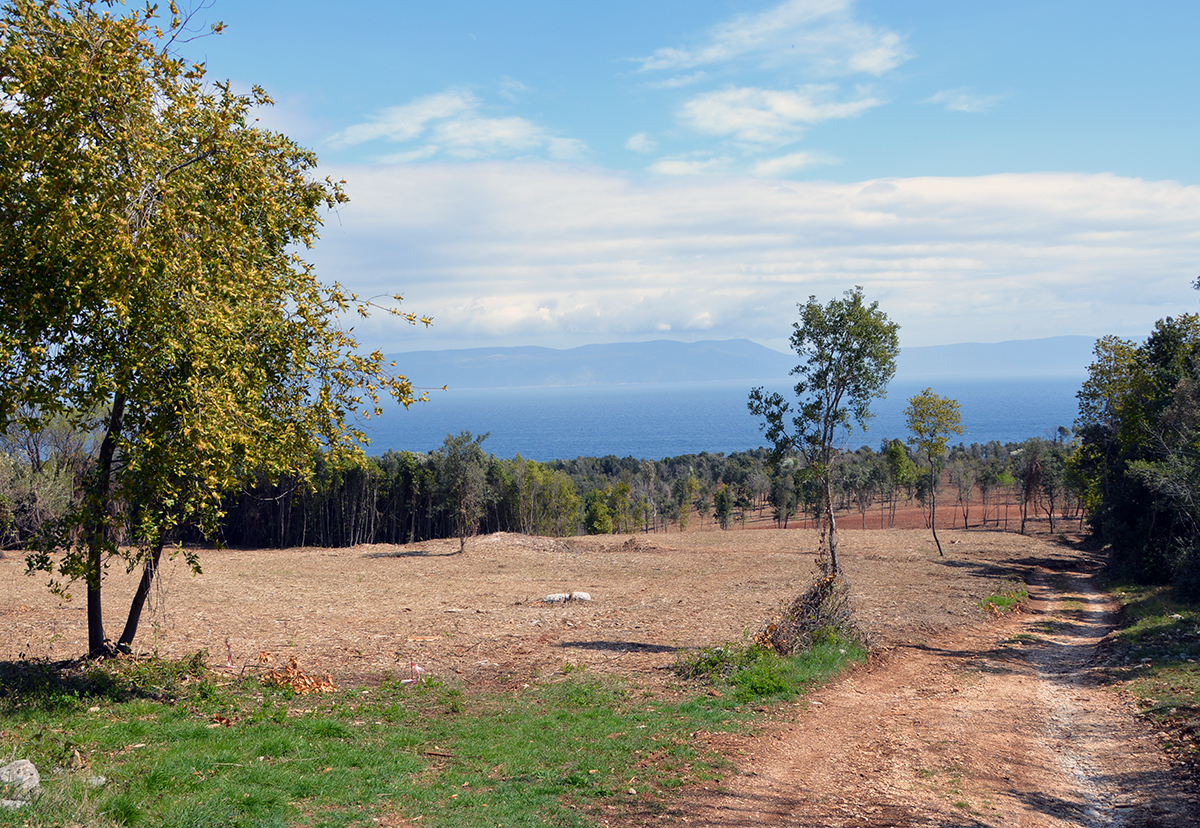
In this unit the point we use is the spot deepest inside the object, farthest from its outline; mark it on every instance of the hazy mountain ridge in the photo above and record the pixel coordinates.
(663, 361)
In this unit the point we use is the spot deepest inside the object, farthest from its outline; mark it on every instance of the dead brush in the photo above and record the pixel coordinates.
(823, 614)
(299, 682)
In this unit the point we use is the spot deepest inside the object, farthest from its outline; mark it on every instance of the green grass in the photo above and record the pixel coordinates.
(752, 673)
(179, 748)
(1007, 597)
(1156, 656)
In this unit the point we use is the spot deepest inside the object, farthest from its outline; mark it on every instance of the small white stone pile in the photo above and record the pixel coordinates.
(560, 597)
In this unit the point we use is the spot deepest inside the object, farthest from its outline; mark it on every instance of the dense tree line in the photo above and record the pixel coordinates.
(459, 489)
(1139, 456)
(404, 497)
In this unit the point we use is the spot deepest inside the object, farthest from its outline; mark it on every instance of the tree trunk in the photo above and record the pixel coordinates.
(97, 530)
(125, 642)
(933, 508)
(834, 569)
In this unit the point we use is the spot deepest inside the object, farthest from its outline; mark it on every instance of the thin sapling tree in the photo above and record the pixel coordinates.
(932, 419)
(848, 353)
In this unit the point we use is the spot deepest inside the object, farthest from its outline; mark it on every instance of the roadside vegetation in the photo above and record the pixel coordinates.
(157, 743)
(1155, 656)
(1008, 597)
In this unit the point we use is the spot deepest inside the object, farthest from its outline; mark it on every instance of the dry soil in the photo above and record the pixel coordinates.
(959, 719)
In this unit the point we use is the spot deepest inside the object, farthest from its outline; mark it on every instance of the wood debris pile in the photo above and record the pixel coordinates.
(822, 615)
(300, 682)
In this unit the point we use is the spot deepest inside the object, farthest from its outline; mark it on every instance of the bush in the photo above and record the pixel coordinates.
(756, 672)
(821, 615)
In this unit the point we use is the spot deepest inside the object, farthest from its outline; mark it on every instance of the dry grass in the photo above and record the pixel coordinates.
(370, 611)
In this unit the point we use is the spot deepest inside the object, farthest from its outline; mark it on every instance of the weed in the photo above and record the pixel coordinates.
(69, 801)
(1009, 596)
(756, 672)
(718, 662)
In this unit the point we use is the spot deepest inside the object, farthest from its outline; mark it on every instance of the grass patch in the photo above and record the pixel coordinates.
(1156, 656)
(751, 673)
(180, 747)
(1010, 595)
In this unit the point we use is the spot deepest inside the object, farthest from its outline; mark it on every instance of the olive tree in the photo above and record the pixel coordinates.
(848, 353)
(932, 419)
(152, 291)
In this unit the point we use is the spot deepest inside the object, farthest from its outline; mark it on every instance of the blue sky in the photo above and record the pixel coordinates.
(555, 173)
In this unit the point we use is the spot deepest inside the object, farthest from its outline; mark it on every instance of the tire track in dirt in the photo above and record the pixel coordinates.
(1000, 724)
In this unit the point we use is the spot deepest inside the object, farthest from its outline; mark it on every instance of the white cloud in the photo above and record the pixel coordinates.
(481, 137)
(820, 35)
(964, 100)
(404, 123)
(450, 123)
(536, 253)
(565, 149)
(768, 116)
(641, 143)
(787, 164)
(691, 165)
(511, 89)
(419, 154)
(679, 80)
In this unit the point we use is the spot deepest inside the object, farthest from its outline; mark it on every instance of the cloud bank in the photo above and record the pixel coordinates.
(538, 253)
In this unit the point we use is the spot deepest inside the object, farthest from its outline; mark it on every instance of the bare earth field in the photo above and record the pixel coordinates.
(958, 720)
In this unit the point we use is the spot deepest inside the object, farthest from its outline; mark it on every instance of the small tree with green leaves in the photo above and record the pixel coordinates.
(462, 471)
(723, 507)
(932, 419)
(597, 519)
(686, 491)
(848, 353)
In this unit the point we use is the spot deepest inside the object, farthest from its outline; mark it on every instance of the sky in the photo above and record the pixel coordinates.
(562, 173)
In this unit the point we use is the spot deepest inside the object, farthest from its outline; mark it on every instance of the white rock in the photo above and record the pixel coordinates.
(20, 777)
(12, 803)
(559, 597)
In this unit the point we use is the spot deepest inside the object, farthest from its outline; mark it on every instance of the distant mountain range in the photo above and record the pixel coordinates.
(664, 361)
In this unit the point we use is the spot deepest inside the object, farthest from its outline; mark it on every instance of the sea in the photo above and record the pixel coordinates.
(667, 420)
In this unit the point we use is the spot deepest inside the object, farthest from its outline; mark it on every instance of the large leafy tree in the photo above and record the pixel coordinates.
(931, 419)
(848, 353)
(151, 289)
(1139, 459)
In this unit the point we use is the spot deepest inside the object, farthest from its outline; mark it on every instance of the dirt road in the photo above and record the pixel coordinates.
(995, 725)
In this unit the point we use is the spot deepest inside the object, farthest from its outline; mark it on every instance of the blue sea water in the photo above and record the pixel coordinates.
(666, 420)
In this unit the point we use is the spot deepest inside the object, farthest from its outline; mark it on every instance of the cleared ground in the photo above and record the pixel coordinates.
(959, 720)
(362, 612)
